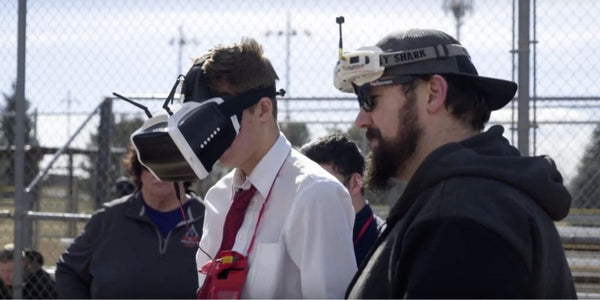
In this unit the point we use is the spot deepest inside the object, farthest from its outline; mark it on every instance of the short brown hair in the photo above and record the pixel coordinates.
(466, 103)
(462, 100)
(133, 166)
(239, 67)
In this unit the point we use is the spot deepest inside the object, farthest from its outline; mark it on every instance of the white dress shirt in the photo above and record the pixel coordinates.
(303, 245)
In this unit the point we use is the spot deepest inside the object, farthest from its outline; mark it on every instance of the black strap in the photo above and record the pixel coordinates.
(236, 104)
(420, 54)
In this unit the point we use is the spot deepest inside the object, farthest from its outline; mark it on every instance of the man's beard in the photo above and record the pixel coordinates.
(389, 158)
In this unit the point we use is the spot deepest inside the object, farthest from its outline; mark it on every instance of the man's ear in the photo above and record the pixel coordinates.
(355, 184)
(265, 107)
(438, 89)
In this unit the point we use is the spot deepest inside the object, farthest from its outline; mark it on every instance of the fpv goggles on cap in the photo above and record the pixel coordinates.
(184, 145)
(357, 71)
(409, 55)
(367, 64)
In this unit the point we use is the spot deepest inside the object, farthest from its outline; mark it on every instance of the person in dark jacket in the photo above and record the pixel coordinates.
(38, 283)
(476, 217)
(142, 245)
(341, 157)
(6, 272)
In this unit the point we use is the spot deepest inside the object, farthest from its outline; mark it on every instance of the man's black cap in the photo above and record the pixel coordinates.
(497, 92)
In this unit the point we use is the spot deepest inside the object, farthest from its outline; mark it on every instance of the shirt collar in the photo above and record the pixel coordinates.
(263, 175)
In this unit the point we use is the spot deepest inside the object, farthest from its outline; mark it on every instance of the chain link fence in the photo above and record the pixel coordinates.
(79, 52)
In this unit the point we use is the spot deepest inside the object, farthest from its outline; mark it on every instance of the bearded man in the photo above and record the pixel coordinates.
(476, 217)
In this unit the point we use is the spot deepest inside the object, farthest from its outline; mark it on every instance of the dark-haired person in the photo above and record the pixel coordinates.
(123, 186)
(286, 222)
(476, 217)
(341, 157)
(6, 272)
(137, 246)
(39, 284)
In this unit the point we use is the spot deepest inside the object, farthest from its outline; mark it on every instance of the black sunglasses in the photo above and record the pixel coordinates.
(363, 92)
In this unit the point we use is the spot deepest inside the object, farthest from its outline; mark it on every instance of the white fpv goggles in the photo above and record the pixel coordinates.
(404, 56)
(184, 146)
(367, 64)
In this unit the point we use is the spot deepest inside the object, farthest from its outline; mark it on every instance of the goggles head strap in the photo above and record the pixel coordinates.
(238, 103)
(421, 54)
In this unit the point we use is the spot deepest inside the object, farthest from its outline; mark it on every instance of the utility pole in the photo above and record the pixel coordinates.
(458, 8)
(523, 123)
(181, 41)
(72, 205)
(21, 198)
(287, 33)
(69, 100)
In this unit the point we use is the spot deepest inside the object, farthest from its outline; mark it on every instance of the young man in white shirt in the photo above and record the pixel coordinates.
(298, 223)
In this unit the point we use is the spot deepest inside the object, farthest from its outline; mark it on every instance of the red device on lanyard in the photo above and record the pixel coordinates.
(225, 276)
(227, 272)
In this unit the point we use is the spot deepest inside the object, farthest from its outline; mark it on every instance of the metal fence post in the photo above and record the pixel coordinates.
(20, 196)
(523, 123)
(72, 204)
(103, 161)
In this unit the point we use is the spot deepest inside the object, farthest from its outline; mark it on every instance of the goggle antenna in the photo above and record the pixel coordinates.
(340, 21)
(148, 114)
(171, 96)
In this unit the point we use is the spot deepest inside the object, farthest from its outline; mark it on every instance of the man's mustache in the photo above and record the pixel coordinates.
(373, 133)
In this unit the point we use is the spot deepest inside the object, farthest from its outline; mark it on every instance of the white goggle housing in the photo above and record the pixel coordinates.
(192, 139)
(367, 64)
(358, 67)
(185, 145)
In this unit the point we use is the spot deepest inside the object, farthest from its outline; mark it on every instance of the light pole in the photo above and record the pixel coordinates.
(288, 33)
(458, 8)
(180, 41)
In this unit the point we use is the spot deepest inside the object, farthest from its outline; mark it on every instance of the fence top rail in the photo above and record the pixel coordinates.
(51, 150)
(58, 216)
(36, 215)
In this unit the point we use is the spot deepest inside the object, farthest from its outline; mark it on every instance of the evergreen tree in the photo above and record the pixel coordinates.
(358, 135)
(33, 156)
(585, 187)
(296, 133)
(8, 134)
(121, 131)
(9, 118)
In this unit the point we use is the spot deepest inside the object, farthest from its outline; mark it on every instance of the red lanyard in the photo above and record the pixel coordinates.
(260, 217)
(263, 208)
(363, 229)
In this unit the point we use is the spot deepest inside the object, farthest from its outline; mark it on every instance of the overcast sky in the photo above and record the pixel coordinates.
(79, 52)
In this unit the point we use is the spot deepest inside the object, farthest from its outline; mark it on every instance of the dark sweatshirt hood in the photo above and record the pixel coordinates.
(490, 155)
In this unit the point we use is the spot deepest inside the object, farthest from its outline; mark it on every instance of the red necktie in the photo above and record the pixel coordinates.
(235, 216)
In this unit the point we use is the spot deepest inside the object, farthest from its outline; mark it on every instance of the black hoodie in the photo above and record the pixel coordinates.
(475, 221)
